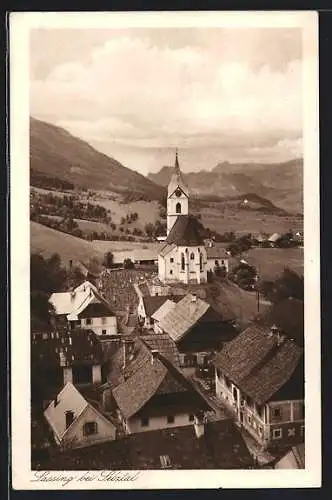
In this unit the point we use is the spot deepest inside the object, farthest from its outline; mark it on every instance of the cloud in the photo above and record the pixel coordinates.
(136, 92)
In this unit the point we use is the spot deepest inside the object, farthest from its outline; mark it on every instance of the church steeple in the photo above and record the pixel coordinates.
(177, 195)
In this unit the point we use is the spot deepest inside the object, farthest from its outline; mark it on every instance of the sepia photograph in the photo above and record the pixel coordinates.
(165, 250)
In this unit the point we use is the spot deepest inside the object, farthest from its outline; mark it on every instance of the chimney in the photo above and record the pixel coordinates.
(273, 330)
(194, 298)
(154, 355)
(199, 424)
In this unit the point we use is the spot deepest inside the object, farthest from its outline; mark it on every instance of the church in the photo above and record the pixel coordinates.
(183, 257)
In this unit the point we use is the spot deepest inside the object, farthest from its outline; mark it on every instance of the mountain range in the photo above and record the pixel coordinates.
(281, 183)
(57, 155)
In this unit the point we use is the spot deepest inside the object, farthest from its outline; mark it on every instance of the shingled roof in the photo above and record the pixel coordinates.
(186, 231)
(221, 447)
(258, 363)
(154, 377)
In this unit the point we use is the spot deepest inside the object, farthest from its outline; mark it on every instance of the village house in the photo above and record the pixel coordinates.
(273, 239)
(62, 356)
(217, 258)
(75, 422)
(160, 313)
(294, 458)
(200, 445)
(260, 377)
(148, 389)
(198, 330)
(84, 307)
(148, 305)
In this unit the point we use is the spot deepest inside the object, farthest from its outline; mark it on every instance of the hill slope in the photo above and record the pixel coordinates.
(46, 241)
(54, 152)
(281, 183)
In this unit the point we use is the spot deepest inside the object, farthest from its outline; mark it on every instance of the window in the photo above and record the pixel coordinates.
(165, 461)
(104, 332)
(170, 419)
(200, 262)
(301, 410)
(191, 417)
(171, 260)
(192, 256)
(235, 393)
(171, 271)
(178, 208)
(89, 428)
(182, 262)
(103, 320)
(277, 434)
(291, 432)
(276, 413)
(260, 430)
(222, 262)
(216, 262)
(302, 430)
(69, 418)
(145, 422)
(88, 321)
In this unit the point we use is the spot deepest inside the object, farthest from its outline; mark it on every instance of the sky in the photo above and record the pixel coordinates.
(217, 94)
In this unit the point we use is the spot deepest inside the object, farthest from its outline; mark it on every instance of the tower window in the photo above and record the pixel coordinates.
(182, 262)
(178, 208)
(200, 262)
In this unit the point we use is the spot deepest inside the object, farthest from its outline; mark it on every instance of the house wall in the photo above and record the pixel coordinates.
(96, 374)
(74, 437)
(260, 422)
(211, 263)
(100, 326)
(134, 424)
(67, 374)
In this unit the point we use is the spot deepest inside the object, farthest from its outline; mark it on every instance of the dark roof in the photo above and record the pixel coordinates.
(77, 346)
(288, 315)
(97, 310)
(221, 447)
(216, 252)
(164, 345)
(151, 304)
(186, 231)
(258, 364)
(157, 377)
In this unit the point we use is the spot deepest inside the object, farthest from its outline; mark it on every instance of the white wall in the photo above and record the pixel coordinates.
(74, 437)
(171, 209)
(172, 271)
(106, 325)
(157, 422)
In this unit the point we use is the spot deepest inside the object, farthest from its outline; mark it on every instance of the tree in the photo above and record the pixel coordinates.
(149, 229)
(128, 264)
(108, 259)
(245, 276)
(288, 285)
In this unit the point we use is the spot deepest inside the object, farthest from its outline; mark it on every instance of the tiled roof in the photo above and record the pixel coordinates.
(164, 309)
(257, 363)
(74, 347)
(288, 315)
(221, 447)
(216, 252)
(166, 249)
(68, 399)
(164, 345)
(274, 237)
(152, 303)
(157, 377)
(96, 310)
(185, 232)
(183, 316)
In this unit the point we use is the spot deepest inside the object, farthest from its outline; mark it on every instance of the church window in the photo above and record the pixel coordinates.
(171, 272)
(192, 256)
(171, 260)
(178, 208)
(200, 262)
(182, 262)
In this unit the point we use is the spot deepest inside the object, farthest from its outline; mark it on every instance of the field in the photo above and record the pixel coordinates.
(147, 211)
(270, 262)
(224, 219)
(47, 241)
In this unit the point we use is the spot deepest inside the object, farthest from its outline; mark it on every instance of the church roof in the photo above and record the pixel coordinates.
(177, 180)
(185, 232)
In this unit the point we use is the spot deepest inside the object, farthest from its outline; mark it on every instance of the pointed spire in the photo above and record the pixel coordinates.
(177, 167)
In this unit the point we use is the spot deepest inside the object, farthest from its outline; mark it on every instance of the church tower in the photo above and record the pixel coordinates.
(177, 196)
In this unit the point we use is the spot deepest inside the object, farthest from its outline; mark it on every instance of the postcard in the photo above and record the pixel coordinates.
(165, 264)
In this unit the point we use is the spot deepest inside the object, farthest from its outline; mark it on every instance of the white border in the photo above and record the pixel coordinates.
(20, 25)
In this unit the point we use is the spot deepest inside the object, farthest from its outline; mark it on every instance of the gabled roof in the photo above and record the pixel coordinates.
(157, 377)
(221, 447)
(216, 252)
(186, 231)
(259, 364)
(68, 399)
(164, 309)
(166, 249)
(164, 345)
(274, 237)
(183, 316)
(152, 303)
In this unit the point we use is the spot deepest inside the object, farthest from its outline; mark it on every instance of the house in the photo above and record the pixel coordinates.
(159, 314)
(148, 305)
(154, 394)
(292, 459)
(62, 356)
(183, 256)
(273, 239)
(139, 256)
(85, 308)
(209, 445)
(217, 257)
(259, 375)
(75, 422)
(198, 329)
